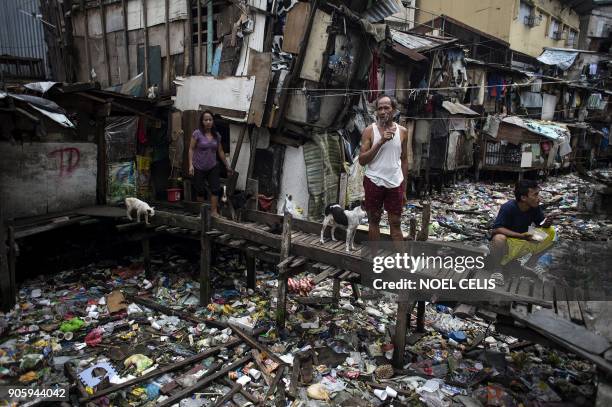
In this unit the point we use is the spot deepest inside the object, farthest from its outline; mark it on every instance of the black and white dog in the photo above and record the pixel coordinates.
(335, 216)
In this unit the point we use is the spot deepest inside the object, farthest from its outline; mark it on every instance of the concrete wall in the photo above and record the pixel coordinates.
(489, 16)
(502, 19)
(531, 40)
(41, 178)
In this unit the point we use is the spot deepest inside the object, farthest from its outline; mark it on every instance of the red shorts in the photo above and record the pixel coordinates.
(376, 197)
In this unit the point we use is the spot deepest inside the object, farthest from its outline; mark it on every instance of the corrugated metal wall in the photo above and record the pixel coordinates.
(21, 34)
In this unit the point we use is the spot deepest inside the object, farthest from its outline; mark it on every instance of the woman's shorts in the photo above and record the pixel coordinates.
(210, 178)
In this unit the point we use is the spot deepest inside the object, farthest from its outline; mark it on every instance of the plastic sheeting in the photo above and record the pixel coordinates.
(323, 160)
(121, 182)
(120, 135)
(41, 87)
(563, 59)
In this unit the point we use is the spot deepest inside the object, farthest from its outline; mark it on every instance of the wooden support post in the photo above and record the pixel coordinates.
(87, 51)
(205, 256)
(167, 24)
(230, 394)
(187, 190)
(199, 65)
(104, 43)
(412, 233)
(399, 340)
(146, 255)
(236, 152)
(146, 46)
(283, 276)
(253, 144)
(201, 384)
(209, 36)
(251, 271)
(277, 378)
(356, 292)
(6, 300)
(420, 327)
(336, 290)
(126, 37)
(252, 186)
(424, 232)
(12, 261)
(101, 162)
(188, 63)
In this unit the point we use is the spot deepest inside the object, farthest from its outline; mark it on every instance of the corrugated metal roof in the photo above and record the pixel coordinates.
(380, 10)
(21, 32)
(458, 108)
(417, 42)
(550, 130)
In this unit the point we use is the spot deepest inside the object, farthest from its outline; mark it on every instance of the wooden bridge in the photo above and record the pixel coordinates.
(293, 246)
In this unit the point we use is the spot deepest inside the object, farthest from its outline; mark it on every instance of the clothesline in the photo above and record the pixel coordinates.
(476, 117)
(428, 89)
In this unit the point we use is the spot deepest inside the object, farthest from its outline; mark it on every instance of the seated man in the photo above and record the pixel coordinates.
(511, 239)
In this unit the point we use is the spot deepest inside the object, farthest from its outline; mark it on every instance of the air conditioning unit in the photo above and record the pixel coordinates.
(532, 21)
(556, 35)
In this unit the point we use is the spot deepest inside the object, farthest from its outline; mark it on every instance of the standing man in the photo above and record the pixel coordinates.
(386, 151)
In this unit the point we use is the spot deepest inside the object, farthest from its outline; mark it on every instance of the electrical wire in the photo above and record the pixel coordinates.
(430, 89)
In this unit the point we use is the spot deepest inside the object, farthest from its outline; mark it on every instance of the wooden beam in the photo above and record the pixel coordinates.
(251, 270)
(283, 276)
(172, 312)
(158, 372)
(209, 36)
(146, 255)
(167, 25)
(230, 394)
(104, 42)
(242, 231)
(176, 220)
(204, 382)
(187, 63)
(199, 37)
(294, 75)
(426, 215)
(87, 51)
(20, 234)
(205, 256)
(6, 301)
(253, 145)
(101, 162)
(126, 37)
(146, 46)
(399, 340)
(239, 146)
(12, 261)
(256, 345)
(420, 316)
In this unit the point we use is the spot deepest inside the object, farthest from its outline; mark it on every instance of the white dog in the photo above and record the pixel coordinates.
(141, 207)
(349, 220)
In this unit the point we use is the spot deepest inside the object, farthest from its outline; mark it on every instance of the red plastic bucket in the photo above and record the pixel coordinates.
(174, 194)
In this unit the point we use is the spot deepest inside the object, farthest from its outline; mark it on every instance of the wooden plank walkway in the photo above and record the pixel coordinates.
(255, 236)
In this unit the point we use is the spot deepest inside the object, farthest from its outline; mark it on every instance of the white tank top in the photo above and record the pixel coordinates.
(385, 170)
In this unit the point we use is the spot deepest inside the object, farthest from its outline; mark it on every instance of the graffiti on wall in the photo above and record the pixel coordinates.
(68, 157)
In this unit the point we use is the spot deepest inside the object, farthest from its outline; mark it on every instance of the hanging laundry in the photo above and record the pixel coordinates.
(141, 133)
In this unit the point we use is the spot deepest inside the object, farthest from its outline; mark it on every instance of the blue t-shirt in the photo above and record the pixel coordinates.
(511, 217)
